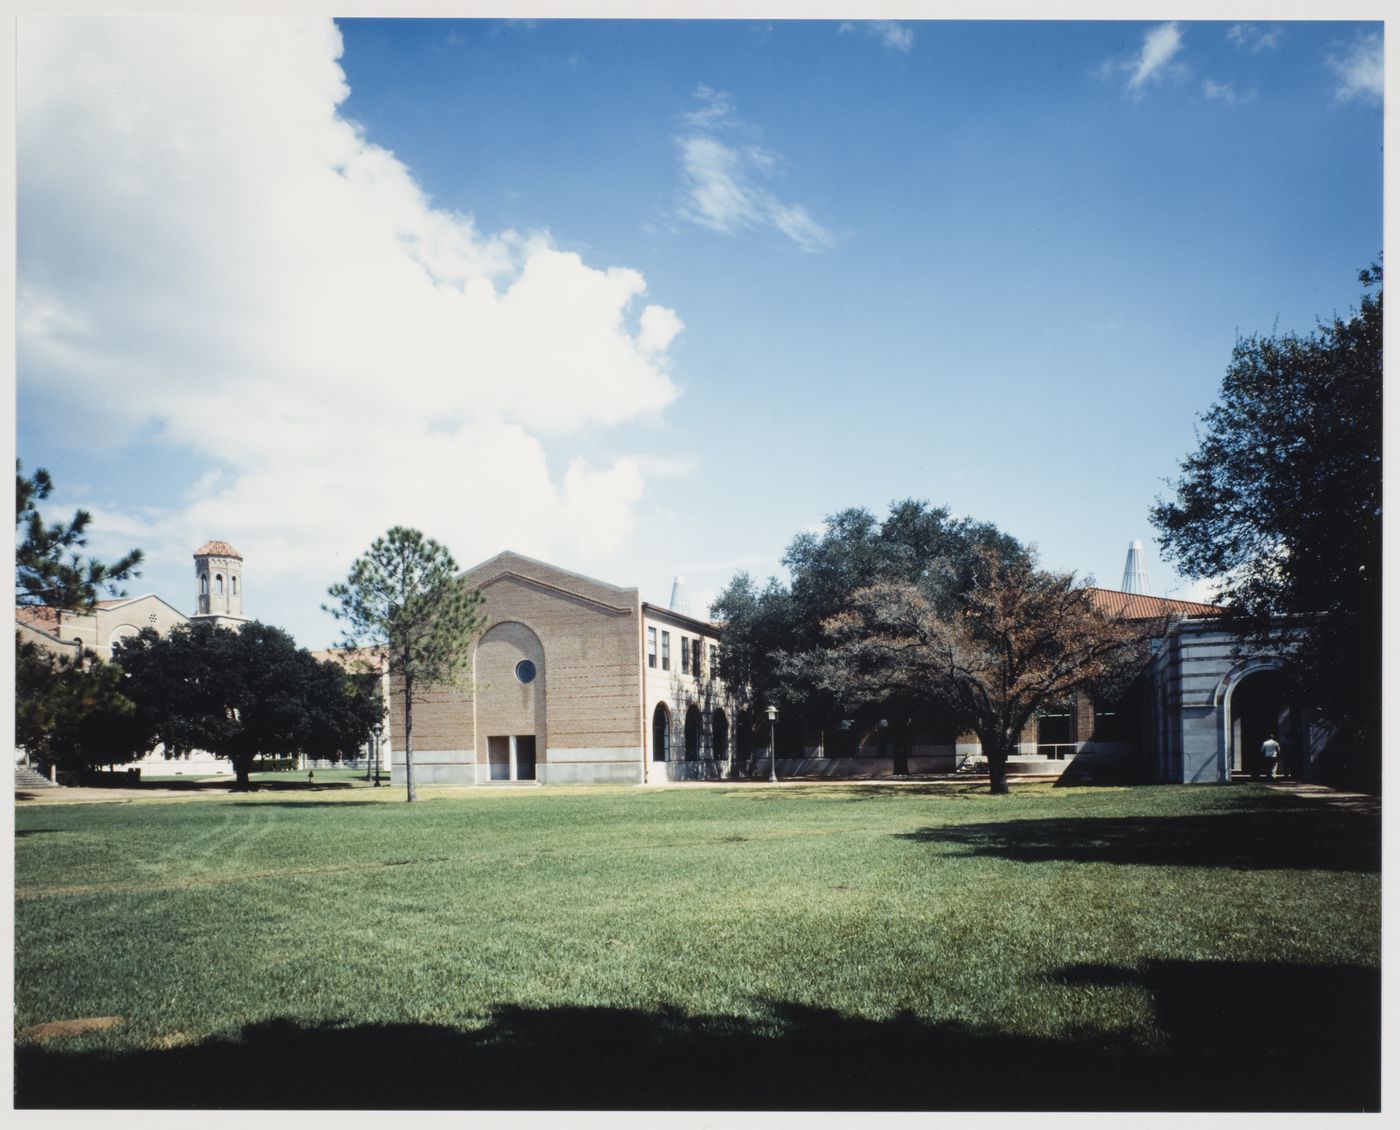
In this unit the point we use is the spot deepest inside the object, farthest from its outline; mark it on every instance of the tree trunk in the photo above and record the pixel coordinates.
(242, 765)
(408, 736)
(998, 749)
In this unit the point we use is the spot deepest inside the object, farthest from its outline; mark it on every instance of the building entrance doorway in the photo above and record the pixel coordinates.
(1259, 708)
(511, 757)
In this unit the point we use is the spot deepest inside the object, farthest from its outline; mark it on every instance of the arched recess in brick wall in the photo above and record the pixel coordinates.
(692, 733)
(661, 733)
(510, 673)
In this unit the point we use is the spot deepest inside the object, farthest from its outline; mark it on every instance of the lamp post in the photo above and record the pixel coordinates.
(772, 745)
(378, 736)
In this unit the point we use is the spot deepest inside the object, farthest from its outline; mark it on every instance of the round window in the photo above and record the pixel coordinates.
(525, 671)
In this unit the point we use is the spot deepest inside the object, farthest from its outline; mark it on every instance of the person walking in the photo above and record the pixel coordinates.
(1269, 752)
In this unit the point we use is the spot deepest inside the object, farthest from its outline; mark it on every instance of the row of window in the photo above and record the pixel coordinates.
(690, 653)
(218, 584)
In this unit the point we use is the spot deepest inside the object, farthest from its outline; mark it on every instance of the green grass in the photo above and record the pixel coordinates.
(1127, 932)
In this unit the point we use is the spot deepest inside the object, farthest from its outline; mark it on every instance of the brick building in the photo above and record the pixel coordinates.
(574, 680)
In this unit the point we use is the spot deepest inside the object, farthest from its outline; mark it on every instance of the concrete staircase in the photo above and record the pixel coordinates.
(27, 777)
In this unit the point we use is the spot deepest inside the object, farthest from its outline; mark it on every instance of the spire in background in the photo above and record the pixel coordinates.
(679, 603)
(1134, 575)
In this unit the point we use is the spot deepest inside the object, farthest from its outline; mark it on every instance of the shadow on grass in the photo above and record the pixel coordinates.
(1280, 837)
(1237, 1036)
(321, 804)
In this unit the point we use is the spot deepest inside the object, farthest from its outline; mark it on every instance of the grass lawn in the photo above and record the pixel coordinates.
(844, 946)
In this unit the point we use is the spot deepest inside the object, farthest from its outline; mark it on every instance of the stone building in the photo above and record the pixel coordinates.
(218, 570)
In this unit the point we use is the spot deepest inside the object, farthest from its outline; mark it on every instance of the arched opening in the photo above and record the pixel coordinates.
(204, 584)
(743, 736)
(233, 580)
(692, 733)
(511, 672)
(661, 733)
(720, 726)
(1259, 709)
(219, 584)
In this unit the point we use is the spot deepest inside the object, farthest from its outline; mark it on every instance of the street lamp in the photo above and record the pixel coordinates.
(378, 736)
(772, 745)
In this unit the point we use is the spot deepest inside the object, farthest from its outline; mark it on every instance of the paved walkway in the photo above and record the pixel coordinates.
(1361, 801)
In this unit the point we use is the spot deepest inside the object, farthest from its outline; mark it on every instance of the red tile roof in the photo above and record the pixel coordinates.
(37, 616)
(217, 549)
(353, 660)
(1140, 606)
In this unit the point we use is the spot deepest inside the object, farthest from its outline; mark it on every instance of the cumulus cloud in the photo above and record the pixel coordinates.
(722, 178)
(208, 247)
(889, 33)
(1360, 70)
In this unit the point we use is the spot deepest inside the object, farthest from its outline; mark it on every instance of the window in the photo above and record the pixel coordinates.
(525, 671)
(685, 656)
(219, 583)
(665, 651)
(695, 657)
(714, 661)
(204, 584)
(234, 582)
(651, 647)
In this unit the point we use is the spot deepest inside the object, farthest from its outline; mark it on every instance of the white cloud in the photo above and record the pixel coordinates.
(721, 185)
(1360, 70)
(1253, 38)
(1224, 92)
(1159, 46)
(205, 243)
(889, 33)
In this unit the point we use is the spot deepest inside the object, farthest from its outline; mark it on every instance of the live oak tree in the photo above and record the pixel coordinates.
(239, 694)
(1281, 505)
(405, 599)
(767, 630)
(72, 715)
(990, 648)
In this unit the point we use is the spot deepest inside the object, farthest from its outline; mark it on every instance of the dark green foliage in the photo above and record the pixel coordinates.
(404, 600)
(48, 568)
(916, 543)
(241, 694)
(1282, 502)
(72, 715)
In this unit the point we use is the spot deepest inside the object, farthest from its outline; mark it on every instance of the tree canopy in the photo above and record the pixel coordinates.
(72, 715)
(405, 599)
(240, 694)
(914, 543)
(1280, 504)
(48, 568)
(989, 649)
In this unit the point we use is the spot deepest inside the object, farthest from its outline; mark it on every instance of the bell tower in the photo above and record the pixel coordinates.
(218, 571)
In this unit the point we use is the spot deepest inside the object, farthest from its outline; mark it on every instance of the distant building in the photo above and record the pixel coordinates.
(218, 570)
(78, 635)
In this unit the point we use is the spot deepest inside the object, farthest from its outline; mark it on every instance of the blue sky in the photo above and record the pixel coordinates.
(650, 297)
